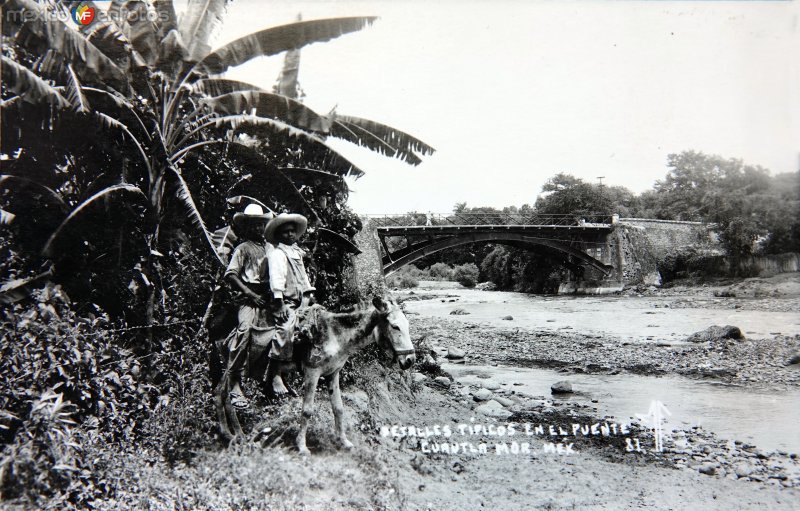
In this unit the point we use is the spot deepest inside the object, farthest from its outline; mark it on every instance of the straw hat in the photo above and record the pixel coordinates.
(285, 218)
(252, 213)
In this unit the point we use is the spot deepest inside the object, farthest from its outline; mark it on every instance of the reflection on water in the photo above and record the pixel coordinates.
(767, 419)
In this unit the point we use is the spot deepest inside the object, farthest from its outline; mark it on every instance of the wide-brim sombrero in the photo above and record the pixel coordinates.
(282, 219)
(252, 213)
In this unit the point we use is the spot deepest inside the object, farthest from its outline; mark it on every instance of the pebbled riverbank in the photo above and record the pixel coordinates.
(759, 362)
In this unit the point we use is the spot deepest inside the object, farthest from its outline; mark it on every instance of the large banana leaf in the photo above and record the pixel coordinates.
(104, 196)
(380, 138)
(142, 31)
(295, 140)
(75, 93)
(40, 32)
(266, 104)
(197, 24)
(185, 197)
(277, 40)
(32, 190)
(167, 19)
(218, 86)
(30, 87)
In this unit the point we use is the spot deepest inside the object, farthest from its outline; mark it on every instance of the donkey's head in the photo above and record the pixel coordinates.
(393, 333)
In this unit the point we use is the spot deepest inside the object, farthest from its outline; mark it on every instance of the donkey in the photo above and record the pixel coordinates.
(331, 340)
(336, 338)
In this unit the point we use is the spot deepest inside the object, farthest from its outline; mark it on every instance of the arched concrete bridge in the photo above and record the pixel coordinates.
(581, 241)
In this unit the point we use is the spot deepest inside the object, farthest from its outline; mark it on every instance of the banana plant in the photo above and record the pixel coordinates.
(150, 90)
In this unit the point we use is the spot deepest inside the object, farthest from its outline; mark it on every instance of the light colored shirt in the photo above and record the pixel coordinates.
(249, 262)
(288, 278)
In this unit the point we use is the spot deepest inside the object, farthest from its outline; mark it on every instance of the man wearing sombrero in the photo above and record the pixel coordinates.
(248, 277)
(290, 288)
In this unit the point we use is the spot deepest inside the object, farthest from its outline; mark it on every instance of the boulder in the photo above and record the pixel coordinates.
(561, 387)
(490, 385)
(418, 377)
(743, 469)
(493, 409)
(443, 381)
(716, 333)
(454, 353)
(508, 318)
(486, 286)
(795, 358)
(482, 395)
(709, 468)
(503, 401)
(458, 312)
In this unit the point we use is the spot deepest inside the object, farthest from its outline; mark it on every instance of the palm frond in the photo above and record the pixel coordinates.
(197, 24)
(311, 147)
(74, 93)
(218, 86)
(142, 32)
(38, 32)
(266, 104)
(167, 19)
(380, 138)
(277, 40)
(106, 195)
(19, 184)
(30, 87)
(183, 194)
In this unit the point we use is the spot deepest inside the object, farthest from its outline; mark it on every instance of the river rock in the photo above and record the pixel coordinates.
(490, 385)
(458, 312)
(743, 469)
(561, 387)
(508, 318)
(795, 358)
(716, 333)
(443, 381)
(454, 353)
(493, 409)
(482, 395)
(418, 377)
(709, 468)
(504, 401)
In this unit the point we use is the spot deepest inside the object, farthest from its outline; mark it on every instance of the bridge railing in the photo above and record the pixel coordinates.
(449, 219)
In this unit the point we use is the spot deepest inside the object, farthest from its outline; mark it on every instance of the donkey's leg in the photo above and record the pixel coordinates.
(338, 410)
(309, 390)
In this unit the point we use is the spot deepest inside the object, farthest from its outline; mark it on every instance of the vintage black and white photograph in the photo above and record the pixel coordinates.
(407, 255)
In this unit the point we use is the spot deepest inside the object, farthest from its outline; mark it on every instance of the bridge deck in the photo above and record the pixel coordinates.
(407, 230)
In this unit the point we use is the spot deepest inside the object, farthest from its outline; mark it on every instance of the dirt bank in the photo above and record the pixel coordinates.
(390, 468)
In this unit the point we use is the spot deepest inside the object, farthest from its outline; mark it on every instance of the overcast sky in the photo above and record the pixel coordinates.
(512, 92)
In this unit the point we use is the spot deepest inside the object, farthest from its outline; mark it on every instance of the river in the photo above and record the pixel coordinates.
(767, 419)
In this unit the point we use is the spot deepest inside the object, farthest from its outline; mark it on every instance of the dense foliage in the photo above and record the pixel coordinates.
(123, 147)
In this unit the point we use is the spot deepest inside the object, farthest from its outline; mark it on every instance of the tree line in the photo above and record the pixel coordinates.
(755, 212)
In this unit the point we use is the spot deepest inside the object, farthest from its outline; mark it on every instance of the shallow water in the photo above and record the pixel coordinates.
(628, 318)
(767, 419)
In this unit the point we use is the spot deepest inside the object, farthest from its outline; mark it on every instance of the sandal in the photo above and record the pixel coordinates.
(239, 401)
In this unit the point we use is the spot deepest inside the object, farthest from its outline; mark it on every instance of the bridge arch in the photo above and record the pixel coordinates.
(408, 255)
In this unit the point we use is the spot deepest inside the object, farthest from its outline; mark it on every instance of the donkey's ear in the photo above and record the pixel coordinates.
(380, 304)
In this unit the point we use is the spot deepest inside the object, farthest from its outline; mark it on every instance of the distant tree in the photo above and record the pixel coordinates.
(564, 194)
